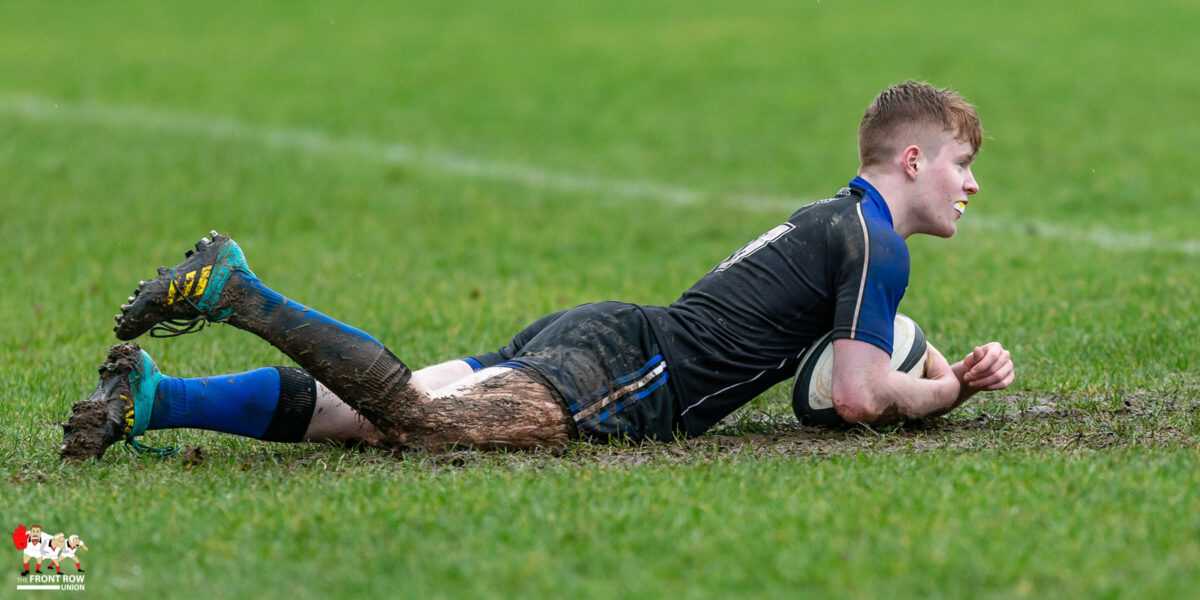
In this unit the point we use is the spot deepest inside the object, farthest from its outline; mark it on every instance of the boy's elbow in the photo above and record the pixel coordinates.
(855, 406)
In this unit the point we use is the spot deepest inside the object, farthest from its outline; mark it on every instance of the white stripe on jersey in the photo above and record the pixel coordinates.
(751, 380)
(862, 286)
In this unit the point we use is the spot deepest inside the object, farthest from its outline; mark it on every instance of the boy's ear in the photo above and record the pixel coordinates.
(911, 158)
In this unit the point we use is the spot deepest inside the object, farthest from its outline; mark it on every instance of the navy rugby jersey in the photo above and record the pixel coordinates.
(744, 326)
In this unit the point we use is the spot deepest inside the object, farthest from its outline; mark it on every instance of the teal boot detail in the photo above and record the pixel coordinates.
(184, 299)
(143, 382)
(118, 409)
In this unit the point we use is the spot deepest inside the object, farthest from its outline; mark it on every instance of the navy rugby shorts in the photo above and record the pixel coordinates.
(604, 363)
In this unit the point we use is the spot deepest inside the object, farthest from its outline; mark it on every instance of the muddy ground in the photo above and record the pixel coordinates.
(1018, 422)
(1042, 422)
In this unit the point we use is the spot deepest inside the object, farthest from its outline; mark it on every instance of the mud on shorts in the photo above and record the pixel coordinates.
(605, 365)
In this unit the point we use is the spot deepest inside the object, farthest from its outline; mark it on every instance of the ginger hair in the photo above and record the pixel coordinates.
(901, 113)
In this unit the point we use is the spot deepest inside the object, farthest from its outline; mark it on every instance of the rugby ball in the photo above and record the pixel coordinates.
(812, 390)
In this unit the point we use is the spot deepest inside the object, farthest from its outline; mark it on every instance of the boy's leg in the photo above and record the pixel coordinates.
(215, 284)
(497, 408)
(442, 374)
(279, 404)
(273, 404)
(436, 408)
(335, 421)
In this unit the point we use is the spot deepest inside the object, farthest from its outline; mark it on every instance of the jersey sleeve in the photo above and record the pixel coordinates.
(871, 277)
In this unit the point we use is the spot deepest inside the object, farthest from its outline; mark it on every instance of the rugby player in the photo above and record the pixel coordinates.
(53, 550)
(73, 545)
(599, 370)
(37, 543)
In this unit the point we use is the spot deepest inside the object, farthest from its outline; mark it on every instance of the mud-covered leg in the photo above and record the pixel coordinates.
(508, 410)
(498, 409)
(351, 363)
(215, 284)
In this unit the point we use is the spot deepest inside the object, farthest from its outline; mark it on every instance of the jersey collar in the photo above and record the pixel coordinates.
(874, 196)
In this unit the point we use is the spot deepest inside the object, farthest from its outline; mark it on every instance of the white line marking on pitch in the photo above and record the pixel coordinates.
(319, 143)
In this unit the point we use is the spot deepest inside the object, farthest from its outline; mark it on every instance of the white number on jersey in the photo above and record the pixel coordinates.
(754, 246)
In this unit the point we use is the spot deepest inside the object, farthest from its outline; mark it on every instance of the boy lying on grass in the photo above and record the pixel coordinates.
(598, 370)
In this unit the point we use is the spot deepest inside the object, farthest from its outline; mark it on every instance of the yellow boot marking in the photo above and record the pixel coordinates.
(128, 413)
(200, 285)
(188, 280)
(171, 293)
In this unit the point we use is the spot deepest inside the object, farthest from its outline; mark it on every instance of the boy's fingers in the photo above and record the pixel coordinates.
(984, 360)
(1000, 372)
(981, 361)
(999, 380)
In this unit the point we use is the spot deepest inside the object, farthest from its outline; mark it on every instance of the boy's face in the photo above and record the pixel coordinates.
(35, 531)
(945, 179)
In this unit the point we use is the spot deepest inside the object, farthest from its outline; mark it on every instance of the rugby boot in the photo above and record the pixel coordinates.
(183, 299)
(118, 409)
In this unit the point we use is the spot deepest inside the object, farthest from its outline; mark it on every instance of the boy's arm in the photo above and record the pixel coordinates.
(866, 390)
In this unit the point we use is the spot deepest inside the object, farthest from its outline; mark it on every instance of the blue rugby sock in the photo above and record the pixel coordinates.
(351, 363)
(273, 403)
(291, 317)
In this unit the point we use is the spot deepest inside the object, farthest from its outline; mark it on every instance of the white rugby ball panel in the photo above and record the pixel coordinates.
(909, 347)
(812, 389)
(817, 371)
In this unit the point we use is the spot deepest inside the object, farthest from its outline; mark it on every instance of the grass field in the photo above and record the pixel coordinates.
(441, 174)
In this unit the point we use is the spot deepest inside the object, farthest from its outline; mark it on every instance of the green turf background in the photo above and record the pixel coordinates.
(440, 174)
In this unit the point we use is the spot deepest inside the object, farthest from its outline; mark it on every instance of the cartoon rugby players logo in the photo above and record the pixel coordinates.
(38, 546)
